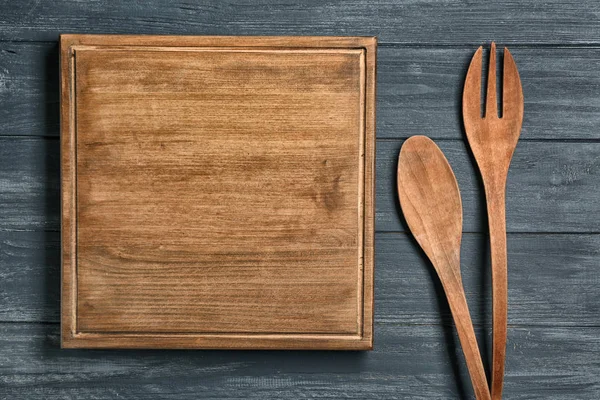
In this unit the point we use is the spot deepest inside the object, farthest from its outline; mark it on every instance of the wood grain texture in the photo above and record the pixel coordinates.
(555, 283)
(493, 137)
(414, 362)
(29, 184)
(427, 21)
(418, 91)
(552, 186)
(217, 191)
(406, 290)
(564, 293)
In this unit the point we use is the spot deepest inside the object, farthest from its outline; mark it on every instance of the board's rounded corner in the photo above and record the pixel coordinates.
(66, 40)
(369, 43)
(68, 340)
(367, 344)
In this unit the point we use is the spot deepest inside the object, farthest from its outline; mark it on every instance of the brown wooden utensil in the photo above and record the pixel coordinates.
(431, 204)
(493, 140)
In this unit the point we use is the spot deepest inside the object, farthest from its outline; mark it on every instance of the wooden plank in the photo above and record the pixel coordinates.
(29, 101)
(552, 186)
(552, 280)
(29, 184)
(415, 361)
(30, 276)
(418, 92)
(428, 21)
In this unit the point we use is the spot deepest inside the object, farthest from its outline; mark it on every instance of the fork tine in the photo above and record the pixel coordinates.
(491, 100)
(512, 92)
(472, 89)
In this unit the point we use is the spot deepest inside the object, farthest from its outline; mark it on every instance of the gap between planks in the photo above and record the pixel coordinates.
(386, 139)
(413, 45)
(376, 231)
(376, 324)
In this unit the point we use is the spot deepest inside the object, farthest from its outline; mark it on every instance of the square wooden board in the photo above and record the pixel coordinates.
(217, 192)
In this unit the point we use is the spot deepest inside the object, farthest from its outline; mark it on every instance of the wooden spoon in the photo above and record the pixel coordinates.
(431, 204)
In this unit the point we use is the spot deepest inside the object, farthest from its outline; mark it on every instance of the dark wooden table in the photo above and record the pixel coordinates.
(424, 49)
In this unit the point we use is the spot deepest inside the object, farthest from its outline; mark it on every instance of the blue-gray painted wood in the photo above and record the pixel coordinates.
(418, 91)
(425, 46)
(418, 22)
(409, 362)
(552, 186)
(29, 89)
(29, 184)
(407, 289)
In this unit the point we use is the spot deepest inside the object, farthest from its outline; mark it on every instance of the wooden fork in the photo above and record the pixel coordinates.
(493, 140)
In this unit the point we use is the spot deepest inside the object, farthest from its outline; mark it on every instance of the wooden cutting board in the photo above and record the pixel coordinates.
(217, 192)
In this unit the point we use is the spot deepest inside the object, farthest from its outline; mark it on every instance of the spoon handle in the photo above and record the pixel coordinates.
(466, 334)
(495, 199)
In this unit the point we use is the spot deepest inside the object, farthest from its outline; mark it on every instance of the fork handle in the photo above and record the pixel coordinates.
(496, 207)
